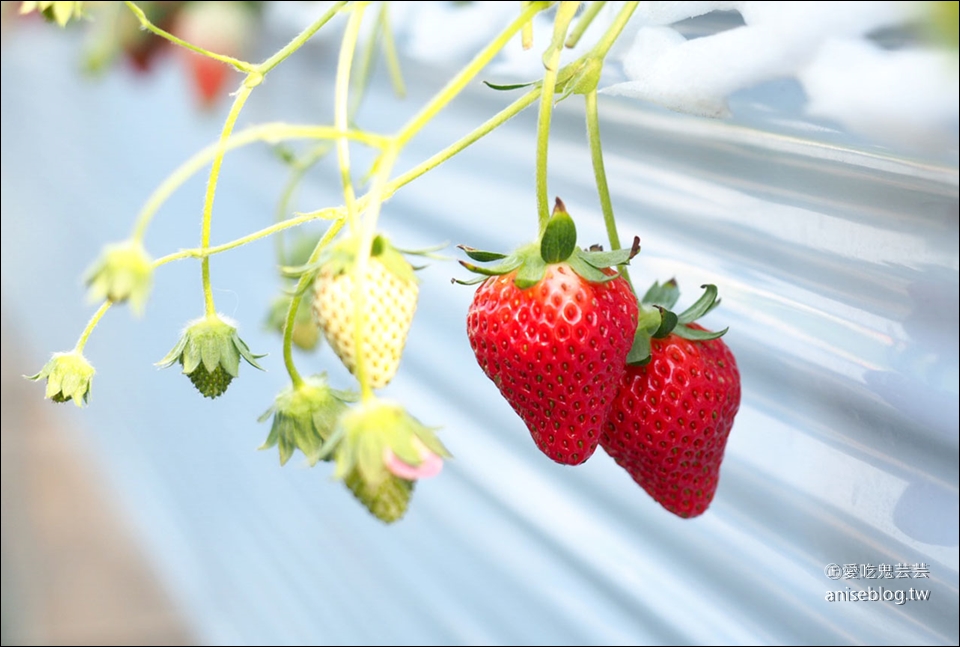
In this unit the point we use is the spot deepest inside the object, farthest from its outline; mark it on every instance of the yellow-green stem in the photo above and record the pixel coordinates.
(241, 98)
(298, 297)
(551, 60)
(457, 83)
(94, 320)
(613, 32)
(484, 129)
(596, 156)
(586, 19)
(271, 132)
(341, 111)
(390, 52)
(300, 39)
(243, 66)
(329, 213)
(376, 197)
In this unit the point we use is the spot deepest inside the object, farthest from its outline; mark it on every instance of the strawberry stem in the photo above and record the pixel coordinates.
(241, 98)
(341, 110)
(302, 287)
(551, 61)
(596, 156)
(243, 66)
(94, 320)
(586, 19)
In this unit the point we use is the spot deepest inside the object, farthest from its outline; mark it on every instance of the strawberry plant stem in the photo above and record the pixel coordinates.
(302, 286)
(94, 320)
(377, 194)
(330, 213)
(458, 82)
(301, 38)
(596, 156)
(551, 61)
(241, 98)
(613, 32)
(341, 109)
(271, 132)
(586, 19)
(390, 52)
(243, 66)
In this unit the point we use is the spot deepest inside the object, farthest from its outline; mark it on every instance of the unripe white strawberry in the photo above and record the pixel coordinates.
(390, 300)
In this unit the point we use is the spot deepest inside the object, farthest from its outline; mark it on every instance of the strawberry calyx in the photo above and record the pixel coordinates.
(381, 451)
(557, 244)
(304, 416)
(656, 319)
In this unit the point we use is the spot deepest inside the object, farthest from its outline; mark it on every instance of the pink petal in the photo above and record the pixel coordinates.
(430, 465)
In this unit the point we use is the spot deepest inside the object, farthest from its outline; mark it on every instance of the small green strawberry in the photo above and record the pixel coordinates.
(209, 351)
(380, 449)
(304, 417)
(390, 299)
(68, 376)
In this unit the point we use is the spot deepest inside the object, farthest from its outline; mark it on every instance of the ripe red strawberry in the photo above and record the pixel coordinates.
(552, 329)
(219, 27)
(671, 418)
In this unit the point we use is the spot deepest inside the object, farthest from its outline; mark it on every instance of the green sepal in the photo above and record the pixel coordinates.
(601, 259)
(588, 271)
(304, 417)
(665, 295)
(506, 267)
(474, 281)
(556, 245)
(648, 322)
(340, 258)
(668, 322)
(698, 335)
(209, 350)
(364, 432)
(530, 273)
(481, 256)
(69, 377)
(560, 236)
(702, 306)
(505, 87)
(122, 272)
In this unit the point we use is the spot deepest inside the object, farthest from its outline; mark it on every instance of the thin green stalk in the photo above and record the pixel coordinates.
(243, 66)
(390, 52)
(94, 320)
(329, 213)
(300, 169)
(376, 197)
(526, 34)
(288, 362)
(341, 111)
(596, 156)
(427, 165)
(457, 83)
(241, 98)
(300, 39)
(586, 19)
(271, 132)
(478, 133)
(613, 32)
(551, 60)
